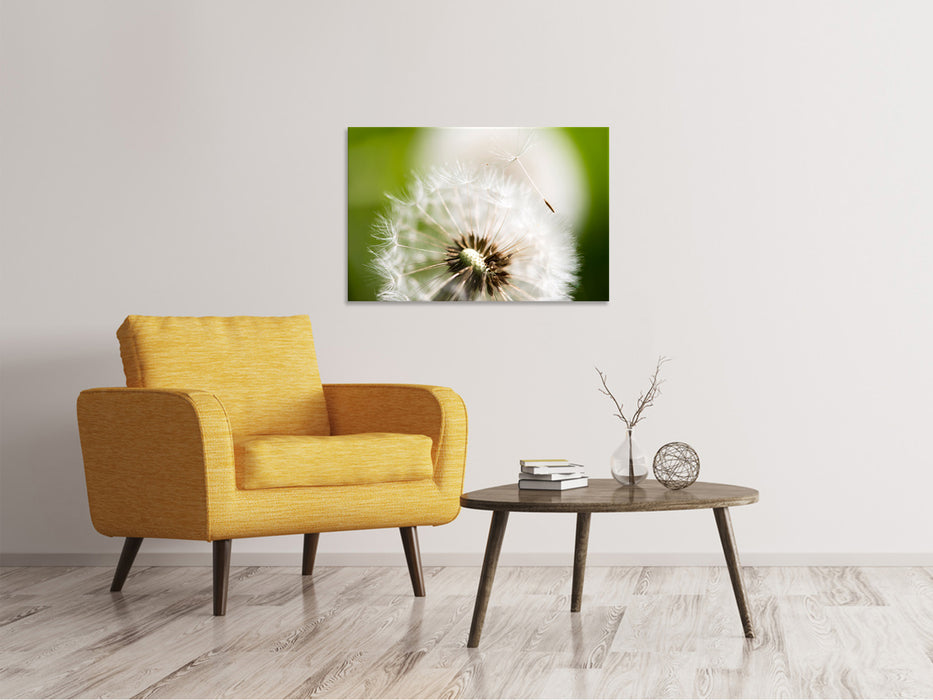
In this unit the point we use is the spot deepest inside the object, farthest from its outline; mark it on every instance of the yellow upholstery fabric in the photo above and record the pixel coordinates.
(147, 456)
(335, 460)
(160, 462)
(142, 484)
(437, 412)
(264, 370)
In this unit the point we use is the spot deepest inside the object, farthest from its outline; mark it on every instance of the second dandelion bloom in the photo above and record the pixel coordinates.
(470, 233)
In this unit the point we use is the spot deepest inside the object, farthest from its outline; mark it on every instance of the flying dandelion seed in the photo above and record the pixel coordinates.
(465, 233)
(515, 156)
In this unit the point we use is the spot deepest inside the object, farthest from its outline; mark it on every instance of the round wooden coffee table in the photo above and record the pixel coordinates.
(603, 496)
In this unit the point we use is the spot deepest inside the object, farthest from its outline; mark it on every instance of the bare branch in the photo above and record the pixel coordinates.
(654, 390)
(644, 400)
(605, 390)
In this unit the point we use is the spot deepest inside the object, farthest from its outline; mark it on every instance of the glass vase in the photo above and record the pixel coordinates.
(629, 462)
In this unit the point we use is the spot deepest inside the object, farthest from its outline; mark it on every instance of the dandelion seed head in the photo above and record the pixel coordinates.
(469, 233)
(468, 257)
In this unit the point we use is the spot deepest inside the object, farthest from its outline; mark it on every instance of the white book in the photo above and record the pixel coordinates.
(569, 469)
(550, 477)
(546, 463)
(553, 485)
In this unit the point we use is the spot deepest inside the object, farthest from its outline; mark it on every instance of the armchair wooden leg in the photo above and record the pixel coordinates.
(309, 552)
(413, 557)
(127, 557)
(221, 575)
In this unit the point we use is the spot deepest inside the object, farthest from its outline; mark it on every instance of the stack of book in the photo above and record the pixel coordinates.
(551, 475)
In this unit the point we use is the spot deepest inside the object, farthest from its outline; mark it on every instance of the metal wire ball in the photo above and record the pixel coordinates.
(676, 465)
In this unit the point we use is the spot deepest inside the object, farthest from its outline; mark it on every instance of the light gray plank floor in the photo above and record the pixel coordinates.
(359, 632)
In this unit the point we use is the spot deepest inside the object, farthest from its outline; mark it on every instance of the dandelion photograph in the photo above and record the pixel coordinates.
(478, 214)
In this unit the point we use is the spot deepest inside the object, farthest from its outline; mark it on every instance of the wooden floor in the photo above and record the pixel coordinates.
(359, 632)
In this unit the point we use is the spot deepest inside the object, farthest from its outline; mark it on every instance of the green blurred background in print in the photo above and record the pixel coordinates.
(382, 160)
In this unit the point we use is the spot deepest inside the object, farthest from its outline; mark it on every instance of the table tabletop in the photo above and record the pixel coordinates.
(609, 496)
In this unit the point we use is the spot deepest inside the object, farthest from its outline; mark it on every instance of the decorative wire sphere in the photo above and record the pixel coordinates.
(676, 465)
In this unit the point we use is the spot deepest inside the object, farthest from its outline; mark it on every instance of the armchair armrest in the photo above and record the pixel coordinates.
(152, 458)
(435, 411)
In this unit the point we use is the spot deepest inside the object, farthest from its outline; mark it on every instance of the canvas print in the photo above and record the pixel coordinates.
(463, 214)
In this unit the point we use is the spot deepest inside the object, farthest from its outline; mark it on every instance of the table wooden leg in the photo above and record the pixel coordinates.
(579, 560)
(724, 525)
(493, 547)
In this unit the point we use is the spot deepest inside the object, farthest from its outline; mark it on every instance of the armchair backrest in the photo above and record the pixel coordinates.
(263, 369)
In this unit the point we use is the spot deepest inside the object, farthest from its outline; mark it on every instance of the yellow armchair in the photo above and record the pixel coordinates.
(225, 431)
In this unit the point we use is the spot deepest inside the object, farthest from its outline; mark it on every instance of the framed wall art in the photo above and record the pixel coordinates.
(478, 214)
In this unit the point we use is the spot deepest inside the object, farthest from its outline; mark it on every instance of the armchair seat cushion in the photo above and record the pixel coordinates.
(275, 461)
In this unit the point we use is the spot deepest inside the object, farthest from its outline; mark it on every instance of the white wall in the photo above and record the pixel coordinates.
(771, 230)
